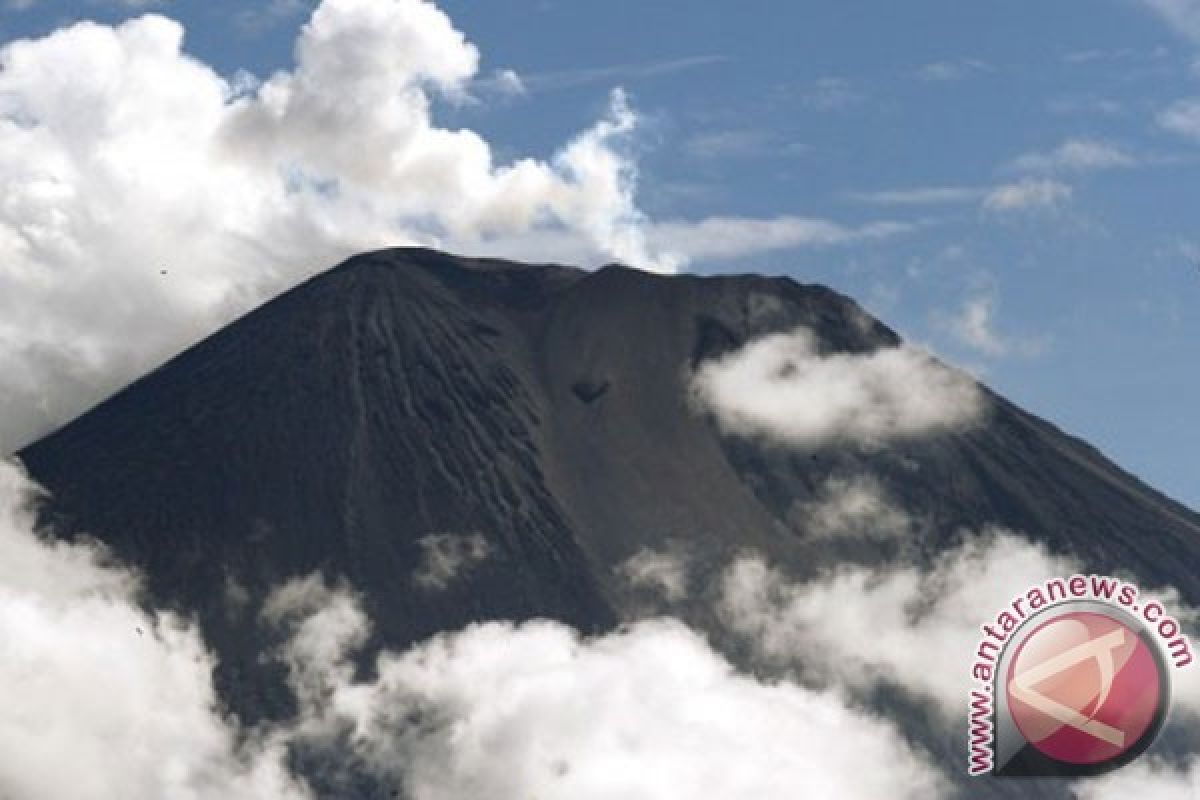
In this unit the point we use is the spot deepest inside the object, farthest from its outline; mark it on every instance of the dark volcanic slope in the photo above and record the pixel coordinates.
(409, 392)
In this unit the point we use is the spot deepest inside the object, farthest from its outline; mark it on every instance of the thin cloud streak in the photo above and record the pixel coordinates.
(573, 78)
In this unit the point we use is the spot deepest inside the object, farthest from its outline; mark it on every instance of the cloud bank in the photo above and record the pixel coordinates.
(912, 628)
(534, 710)
(783, 388)
(101, 698)
(124, 695)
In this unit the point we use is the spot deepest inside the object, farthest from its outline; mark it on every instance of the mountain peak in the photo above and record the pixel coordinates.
(539, 415)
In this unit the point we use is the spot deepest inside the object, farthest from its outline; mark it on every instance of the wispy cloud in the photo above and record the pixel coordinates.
(22, 5)
(503, 82)
(948, 71)
(740, 143)
(571, 78)
(258, 17)
(853, 506)
(974, 326)
(1182, 117)
(1076, 155)
(920, 196)
(447, 556)
(831, 93)
(1114, 54)
(1182, 16)
(664, 572)
(731, 237)
(1026, 195)
(1086, 104)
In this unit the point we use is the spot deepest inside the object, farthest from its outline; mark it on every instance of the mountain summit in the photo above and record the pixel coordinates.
(468, 439)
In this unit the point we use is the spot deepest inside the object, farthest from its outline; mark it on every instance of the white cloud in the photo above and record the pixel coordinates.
(662, 571)
(782, 387)
(831, 93)
(1023, 195)
(125, 696)
(1182, 117)
(853, 506)
(447, 556)
(946, 71)
(264, 13)
(507, 81)
(122, 695)
(739, 143)
(1027, 194)
(1077, 155)
(914, 628)
(21, 5)
(920, 196)
(1147, 777)
(731, 237)
(974, 325)
(574, 78)
(649, 712)
(1085, 104)
(121, 157)
(1181, 15)
(901, 625)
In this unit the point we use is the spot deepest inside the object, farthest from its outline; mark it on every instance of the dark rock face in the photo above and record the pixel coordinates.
(408, 393)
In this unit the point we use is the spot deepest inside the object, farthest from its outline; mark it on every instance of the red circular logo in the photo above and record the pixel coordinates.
(1084, 688)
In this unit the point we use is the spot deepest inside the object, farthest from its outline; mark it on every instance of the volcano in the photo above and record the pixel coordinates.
(410, 404)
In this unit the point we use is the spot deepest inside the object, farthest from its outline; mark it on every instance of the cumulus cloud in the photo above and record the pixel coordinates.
(446, 556)
(499, 710)
(123, 695)
(853, 506)
(913, 628)
(148, 199)
(782, 387)
(662, 571)
(536, 710)
(1077, 155)
(1027, 194)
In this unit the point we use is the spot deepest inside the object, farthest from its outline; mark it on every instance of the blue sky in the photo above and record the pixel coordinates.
(1013, 185)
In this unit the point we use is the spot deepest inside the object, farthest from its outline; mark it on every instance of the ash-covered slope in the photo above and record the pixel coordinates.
(409, 393)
